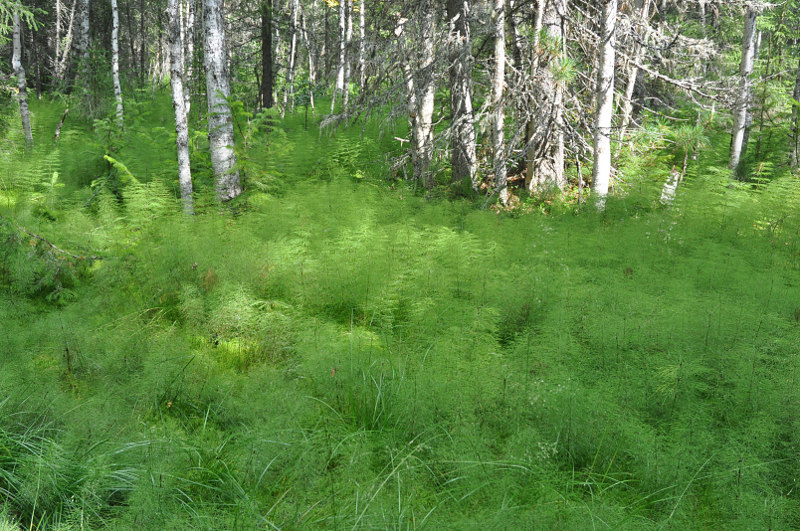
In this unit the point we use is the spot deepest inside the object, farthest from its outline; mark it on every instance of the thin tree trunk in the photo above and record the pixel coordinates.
(115, 61)
(462, 122)
(220, 121)
(62, 60)
(179, 104)
(633, 72)
(516, 49)
(348, 40)
(743, 97)
(312, 70)
(188, 54)
(142, 43)
(288, 93)
(748, 127)
(498, 110)
(131, 48)
(362, 45)
(267, 81)
(57, 39)
(601, 171)
(342, 44)
(33, 59)
(795, 151)
(531, 125)
(19, 71)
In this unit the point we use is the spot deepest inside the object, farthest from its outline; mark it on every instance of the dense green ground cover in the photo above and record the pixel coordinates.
(334, 352)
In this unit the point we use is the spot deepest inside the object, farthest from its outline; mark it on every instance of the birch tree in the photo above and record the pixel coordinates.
(362, 44)
(462, 127)
(601, 170)
(498, 109)
(342, 51)
(220, 120)
(179, 104)
(187, 36)
(22, 87)
(288, 93)
(115, 61)
(742, 108)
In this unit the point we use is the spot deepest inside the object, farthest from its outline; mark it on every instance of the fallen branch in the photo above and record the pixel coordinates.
(60, 124)
(53, 246)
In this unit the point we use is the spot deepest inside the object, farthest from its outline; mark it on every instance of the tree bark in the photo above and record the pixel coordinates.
(312, 70)
(342, 45)
(743, 97)
(179, 104)
(362, 45)
(267, 81)
(61, 63)
(601, 170)
(748, 125)
(288, 93)
(545, 156)
(463, 157)
(19, 71)
(220, 120)
(83, 35)
(188, 54)
(633, 70)
(348, 40)
(498, 109)
(115, 61)
(425, 99)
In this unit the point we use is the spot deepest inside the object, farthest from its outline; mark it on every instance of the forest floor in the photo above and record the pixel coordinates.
(335, 351)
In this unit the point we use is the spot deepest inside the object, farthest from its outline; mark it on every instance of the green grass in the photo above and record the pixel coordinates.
(347, 354)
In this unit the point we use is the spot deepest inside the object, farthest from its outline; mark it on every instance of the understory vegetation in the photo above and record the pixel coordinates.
(333, 350)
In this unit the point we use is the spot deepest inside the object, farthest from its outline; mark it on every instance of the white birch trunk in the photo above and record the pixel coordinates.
(61, 64)
(19, 71)
(362, 45)
(743, 97)
(179, 104)
(601, 170)
(288, 92)
(498, 121)
(463, 158)
(188, 54)
(348, 40)
(220, 120)
(339, 87)
(427, 91)
(115, 61)
(57, 41)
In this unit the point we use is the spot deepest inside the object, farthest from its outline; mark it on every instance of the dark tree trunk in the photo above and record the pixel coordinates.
(267, 81)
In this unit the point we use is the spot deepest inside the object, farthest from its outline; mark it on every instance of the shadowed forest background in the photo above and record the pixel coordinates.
(303, 264)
